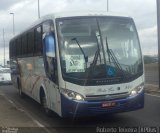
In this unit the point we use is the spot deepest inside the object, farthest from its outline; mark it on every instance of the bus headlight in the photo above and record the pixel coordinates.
(72, 95)
(137, 90)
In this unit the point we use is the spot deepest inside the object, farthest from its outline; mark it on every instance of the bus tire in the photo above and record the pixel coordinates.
(21, 94)
(43, 101)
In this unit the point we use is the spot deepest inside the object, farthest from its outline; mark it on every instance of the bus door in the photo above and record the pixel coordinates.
(50, 63)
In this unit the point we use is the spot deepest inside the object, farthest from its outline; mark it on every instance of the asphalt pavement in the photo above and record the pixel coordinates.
(151, 74)
(144, 118)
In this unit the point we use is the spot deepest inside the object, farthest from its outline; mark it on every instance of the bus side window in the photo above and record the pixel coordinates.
(50, 50)
(50, 56)
(14, 48)
(30, 37)
(48, 27)
(38, 41)
(24, 45)
(19, 47)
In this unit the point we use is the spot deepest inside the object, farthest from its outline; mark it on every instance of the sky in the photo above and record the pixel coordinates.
(143, 12)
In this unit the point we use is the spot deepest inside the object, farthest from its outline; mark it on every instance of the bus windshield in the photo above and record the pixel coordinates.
(102, 50)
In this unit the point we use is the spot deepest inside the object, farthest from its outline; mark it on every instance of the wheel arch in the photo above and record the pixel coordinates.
(43, 91)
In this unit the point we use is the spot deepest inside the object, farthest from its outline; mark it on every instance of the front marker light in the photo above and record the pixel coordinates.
(137, 90)
(72, 95)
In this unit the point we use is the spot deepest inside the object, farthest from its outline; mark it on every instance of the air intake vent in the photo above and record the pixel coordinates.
(106, 97)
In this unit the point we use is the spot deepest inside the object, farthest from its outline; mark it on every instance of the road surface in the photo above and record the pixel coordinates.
(151, 74)
(147, 117)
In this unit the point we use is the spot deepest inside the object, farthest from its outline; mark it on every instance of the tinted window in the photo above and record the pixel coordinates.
(14, 48)
(5, 70)
(48, 26)
(24, 44)
(10, 49)
(30, 38)
(18, 45)
(38, 41)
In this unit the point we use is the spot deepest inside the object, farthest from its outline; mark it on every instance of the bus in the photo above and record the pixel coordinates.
(80, 64)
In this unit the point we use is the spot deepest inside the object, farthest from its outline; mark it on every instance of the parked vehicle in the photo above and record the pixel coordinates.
(5, 76)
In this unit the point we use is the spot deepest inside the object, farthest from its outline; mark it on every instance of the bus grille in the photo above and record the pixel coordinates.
(106, 97)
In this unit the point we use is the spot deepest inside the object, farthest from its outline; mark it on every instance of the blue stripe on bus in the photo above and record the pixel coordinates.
(71, 108)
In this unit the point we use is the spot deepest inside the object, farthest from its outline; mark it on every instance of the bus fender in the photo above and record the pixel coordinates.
(42, 87)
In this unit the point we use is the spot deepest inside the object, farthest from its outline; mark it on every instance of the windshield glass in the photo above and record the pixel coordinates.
(99, 50)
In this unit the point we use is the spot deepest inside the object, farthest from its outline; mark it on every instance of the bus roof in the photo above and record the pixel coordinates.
(85, 13)
(71, 14)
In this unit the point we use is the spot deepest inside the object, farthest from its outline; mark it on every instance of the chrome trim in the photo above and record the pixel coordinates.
(106, 97)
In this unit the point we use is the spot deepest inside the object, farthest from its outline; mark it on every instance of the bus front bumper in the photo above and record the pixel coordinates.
(71, 108)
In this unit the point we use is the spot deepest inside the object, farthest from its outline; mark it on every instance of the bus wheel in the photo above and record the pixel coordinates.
(43, 99)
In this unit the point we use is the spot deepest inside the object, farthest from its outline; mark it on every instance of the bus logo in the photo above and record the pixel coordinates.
(110, 71)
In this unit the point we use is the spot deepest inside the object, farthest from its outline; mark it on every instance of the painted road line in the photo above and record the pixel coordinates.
(11, 102)
(30, 116)
(22, 110)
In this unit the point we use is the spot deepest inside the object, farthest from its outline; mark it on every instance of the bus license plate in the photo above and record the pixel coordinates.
(109, 104)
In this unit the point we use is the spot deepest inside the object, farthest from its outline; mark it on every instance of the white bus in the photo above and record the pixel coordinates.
(80, 64)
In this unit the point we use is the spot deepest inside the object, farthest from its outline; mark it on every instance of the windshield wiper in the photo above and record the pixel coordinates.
(97, 53)
(113, 57)
(85, 57)
(108, 51)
